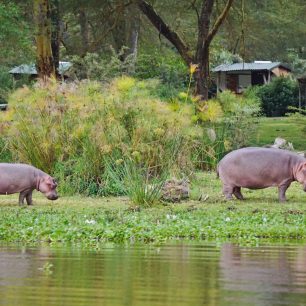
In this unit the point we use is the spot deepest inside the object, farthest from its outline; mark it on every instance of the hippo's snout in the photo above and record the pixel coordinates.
(52, 197)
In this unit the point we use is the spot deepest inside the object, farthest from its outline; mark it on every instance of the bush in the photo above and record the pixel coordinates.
(278, 95)
(169, 69)
(228, 121)
(94, 66)
(135, 180)
(69, 130)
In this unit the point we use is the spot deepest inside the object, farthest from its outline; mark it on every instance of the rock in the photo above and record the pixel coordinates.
(281, 143)
(302, 153)
(175, 190)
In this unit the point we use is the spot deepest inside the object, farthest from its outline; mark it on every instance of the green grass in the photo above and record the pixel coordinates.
(291, 129)
(90, 221)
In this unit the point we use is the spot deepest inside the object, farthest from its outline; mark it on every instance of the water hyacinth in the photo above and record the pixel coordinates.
(90, 222)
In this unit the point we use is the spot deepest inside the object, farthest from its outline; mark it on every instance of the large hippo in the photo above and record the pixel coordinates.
(257, 168)
(24, 179)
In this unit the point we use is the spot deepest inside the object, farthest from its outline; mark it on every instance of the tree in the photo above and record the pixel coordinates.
(266, 30)
(15, 36)
(55, 34)
(206, 33)
(45, 63)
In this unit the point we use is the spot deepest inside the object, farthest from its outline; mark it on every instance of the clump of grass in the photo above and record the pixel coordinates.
(136, 181)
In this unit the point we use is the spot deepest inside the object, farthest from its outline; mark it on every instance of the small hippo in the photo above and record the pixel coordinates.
(24, 179)
(257, 168)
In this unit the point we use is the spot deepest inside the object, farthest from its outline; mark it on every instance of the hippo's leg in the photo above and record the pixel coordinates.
(29, 198)
(282, 191)
(228, 191)
(21, 197)
(237, 193)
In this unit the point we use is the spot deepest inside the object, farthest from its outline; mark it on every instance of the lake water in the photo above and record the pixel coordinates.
(176, 274)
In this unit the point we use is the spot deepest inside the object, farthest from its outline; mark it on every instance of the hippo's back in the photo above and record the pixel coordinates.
(15, 168)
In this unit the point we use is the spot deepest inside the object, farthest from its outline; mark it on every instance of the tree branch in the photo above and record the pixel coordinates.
(165, 30)
(193, 6)
(219, 21)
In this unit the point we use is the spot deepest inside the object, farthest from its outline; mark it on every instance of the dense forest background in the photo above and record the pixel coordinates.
(107, 38)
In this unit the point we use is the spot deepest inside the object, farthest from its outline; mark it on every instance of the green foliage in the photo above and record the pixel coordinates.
(168, 67)
(136, 181)
(74, 129)
(297, 62)
(229, 121)
(69, 129)
(6, 83)
(240, 117)
(15, 35)
(5, 153)
(94, 66)
(277, 96)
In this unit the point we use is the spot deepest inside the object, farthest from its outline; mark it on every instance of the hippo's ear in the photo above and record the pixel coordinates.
(51, 181)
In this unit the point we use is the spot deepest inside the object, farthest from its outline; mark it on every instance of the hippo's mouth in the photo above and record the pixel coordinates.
(52, 197)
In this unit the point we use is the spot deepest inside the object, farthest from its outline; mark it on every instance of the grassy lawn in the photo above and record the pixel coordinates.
(291, 129)
(90, 221)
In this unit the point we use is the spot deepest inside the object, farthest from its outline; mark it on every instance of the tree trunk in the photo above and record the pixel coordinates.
(45, 64)
(84, 31)
(206, 33)
(202, 76)
(132, 34)
(166, 31)
(119, 28)
(55, 39)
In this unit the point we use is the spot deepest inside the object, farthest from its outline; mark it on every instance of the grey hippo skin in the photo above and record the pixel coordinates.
(257, 168)
(24, 179)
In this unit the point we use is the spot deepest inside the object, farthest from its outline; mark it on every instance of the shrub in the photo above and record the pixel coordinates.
(69, 129)
(6, 84)
(135, 180)
(169, 68)
(228, 122)
(277, 96)
(94, 66)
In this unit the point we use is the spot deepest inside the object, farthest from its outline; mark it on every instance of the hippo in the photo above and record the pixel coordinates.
(257, 168)
(24, 179)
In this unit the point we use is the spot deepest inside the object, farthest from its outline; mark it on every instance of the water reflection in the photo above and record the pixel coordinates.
(177, 274)
(264, 276)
